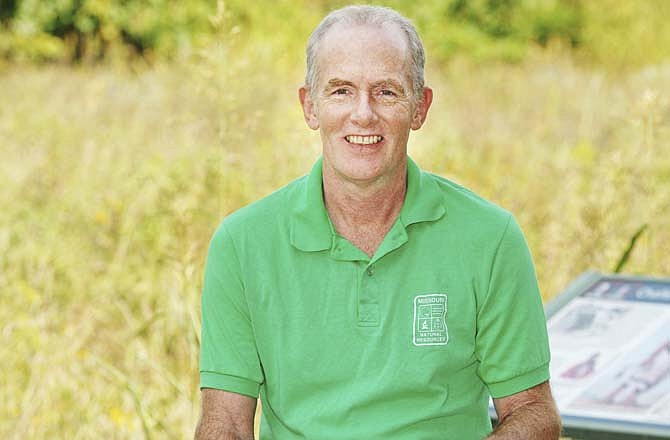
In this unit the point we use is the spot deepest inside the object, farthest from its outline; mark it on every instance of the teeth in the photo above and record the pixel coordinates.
(364, 140)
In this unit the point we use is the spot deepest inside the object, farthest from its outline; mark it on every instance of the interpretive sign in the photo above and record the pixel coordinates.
(610, 346)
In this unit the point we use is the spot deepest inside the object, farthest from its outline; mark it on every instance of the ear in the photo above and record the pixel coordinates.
(308, 108)
(422, 107)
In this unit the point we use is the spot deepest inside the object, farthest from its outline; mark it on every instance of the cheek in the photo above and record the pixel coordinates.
(328, 126)
(400, 120)
(331, 118)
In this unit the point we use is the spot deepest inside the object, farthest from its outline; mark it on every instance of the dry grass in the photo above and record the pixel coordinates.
(111, 184)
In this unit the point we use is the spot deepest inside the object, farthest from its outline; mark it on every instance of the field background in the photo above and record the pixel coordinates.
(128, 130)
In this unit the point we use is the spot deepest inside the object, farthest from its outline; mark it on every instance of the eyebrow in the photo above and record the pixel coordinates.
(389, 83)
(336, 82)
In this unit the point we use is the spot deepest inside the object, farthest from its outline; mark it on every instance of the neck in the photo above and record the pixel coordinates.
(363, 212)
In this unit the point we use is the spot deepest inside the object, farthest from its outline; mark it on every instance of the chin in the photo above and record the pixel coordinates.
(361, 170)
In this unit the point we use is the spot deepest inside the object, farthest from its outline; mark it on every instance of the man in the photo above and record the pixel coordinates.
(370, 299)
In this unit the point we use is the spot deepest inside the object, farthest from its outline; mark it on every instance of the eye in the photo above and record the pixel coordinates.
(387, 92)
(340, 92)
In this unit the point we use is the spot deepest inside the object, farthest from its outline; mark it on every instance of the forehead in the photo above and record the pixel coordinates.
(363, 51)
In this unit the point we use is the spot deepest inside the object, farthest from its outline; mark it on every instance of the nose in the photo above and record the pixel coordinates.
(363, 113)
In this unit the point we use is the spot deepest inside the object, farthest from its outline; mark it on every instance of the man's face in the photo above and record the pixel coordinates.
(362, 103)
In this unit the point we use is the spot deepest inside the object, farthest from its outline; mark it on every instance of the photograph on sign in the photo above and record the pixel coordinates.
(611, 352)
(636, 385)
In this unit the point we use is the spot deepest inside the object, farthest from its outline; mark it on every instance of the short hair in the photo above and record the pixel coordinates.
(361, 16)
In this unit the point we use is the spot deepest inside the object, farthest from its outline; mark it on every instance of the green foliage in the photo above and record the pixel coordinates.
(498, 29)
(7, 10)
(608, 31)
(95, 29)
(522, 19)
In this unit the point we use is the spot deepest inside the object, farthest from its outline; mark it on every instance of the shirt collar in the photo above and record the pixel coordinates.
(424, 201)
(311, 229)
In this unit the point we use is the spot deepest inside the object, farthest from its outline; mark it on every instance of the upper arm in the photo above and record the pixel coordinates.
(539, 397)
(226, 415)
(511, 341)
(229, 358)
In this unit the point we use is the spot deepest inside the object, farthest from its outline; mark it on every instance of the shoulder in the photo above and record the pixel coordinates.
(464, 206)
(263, 216)
(481, 231)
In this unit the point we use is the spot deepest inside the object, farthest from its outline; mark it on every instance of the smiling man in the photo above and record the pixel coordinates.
(370, 299)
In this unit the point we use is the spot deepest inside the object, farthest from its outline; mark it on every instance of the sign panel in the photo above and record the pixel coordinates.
(610, 344)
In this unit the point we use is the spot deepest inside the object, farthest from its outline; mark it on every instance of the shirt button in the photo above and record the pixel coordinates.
(370, 272)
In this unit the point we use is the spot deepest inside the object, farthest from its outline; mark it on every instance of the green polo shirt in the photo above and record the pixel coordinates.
(408, 344)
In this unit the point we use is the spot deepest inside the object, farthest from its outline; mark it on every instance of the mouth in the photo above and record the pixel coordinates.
(364, 140)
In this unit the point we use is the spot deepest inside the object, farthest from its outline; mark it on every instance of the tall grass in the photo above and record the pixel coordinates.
(111, 184)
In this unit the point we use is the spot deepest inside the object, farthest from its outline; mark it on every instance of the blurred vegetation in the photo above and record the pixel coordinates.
(618, 32)
(77, 30)
(112, 183)
(112, 180)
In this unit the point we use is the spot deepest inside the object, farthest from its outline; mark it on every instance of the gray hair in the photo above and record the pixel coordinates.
(361, 16)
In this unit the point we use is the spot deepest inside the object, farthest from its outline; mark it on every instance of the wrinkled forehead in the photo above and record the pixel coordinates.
(344, 40)
(372, 36)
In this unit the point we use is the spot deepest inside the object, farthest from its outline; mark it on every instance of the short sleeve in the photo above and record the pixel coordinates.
(511, 342)
(228, 356)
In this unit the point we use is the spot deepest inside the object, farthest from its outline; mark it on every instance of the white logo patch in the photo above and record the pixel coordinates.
(430, 319)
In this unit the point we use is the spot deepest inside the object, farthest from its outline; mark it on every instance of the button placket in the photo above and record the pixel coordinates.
(369, 314)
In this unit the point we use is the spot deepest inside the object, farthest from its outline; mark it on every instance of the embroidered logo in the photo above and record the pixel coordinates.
(430, 319)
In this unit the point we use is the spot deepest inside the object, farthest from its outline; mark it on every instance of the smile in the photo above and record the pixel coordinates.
(364, 140)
